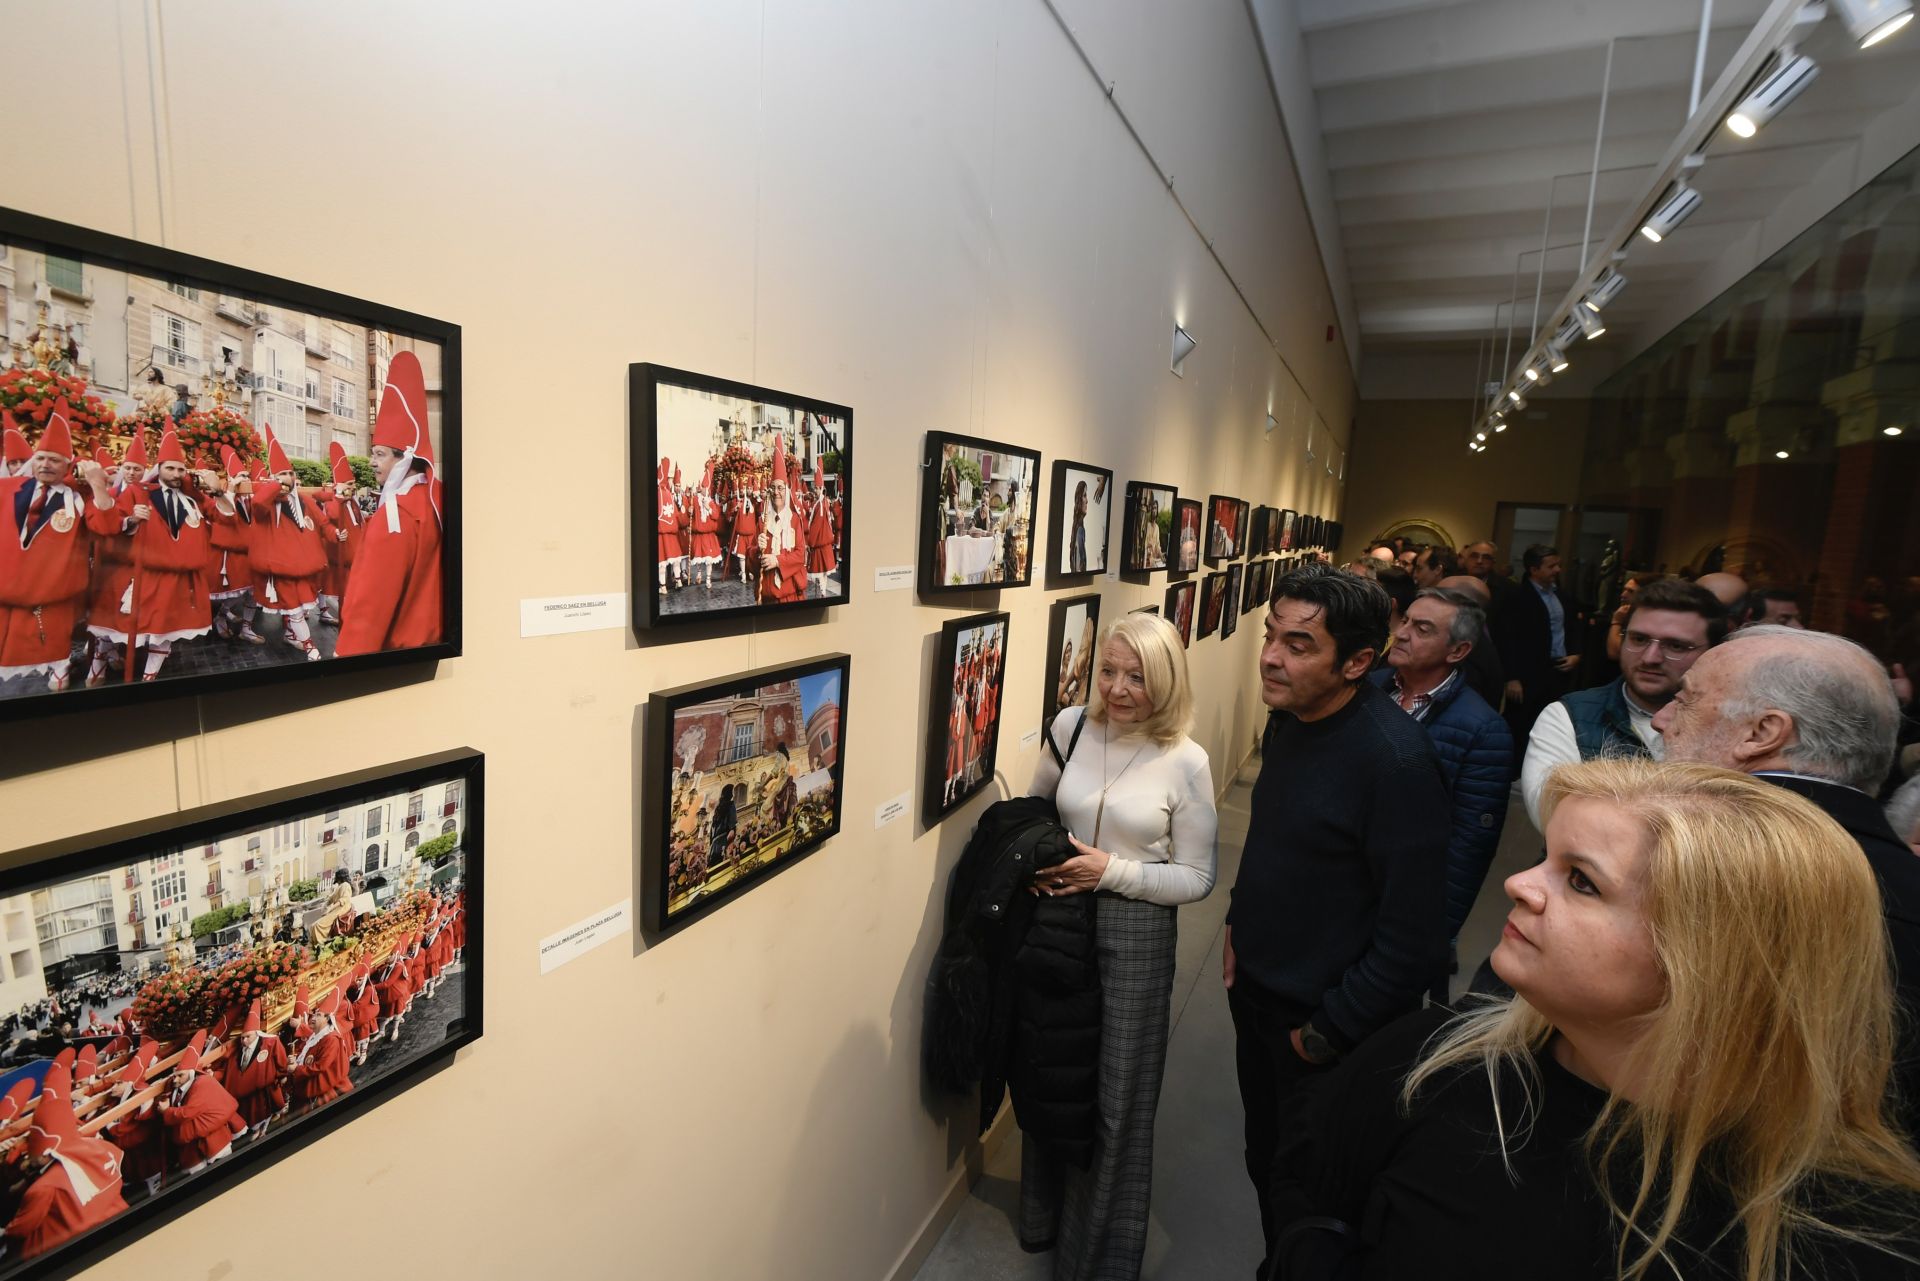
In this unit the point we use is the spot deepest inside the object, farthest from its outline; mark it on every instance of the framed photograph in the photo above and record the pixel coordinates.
(1257, 532)
(1230, 599)
(1259, 573)
(243, 478)
(1073, 624)
(1081, 498)
(1179, 610)
(1334, 531)
(214, 989)
(1246, 530)
(1147, 532)
(978, 511)
(1213, 597)
(1270, 540)
(1224, 528)
(963, 727)
(742, 781)
(742, 498)
(1289, 530)
(1186, 536)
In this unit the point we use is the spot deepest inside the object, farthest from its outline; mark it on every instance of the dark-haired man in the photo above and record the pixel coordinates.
(1537, 631)
(1338, 924)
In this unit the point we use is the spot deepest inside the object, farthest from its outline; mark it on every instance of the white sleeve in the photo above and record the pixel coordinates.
(1187, 875)
(1551, 744)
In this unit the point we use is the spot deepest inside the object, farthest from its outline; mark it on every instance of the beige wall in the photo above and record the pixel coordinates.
(1411, 462)
(929, 212)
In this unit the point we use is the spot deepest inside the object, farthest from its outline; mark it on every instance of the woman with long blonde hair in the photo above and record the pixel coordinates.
(1690, 1082)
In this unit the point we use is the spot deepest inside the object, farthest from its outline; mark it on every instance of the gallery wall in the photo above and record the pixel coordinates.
(934, 213)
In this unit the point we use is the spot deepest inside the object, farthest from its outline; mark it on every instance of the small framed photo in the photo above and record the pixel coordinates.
(1246, 530)
(741, 497)
(978, 508)
(1259, 573)
(1334, 532)
(1230, 599)
(1289, 530)
(1257, 532)
(1271, 539)
(1224, 528)
(1213, 596)
(742, 781)
(1081, 498)
(963, 724)
(1073, 625)
(1147, 532)
(1180, 598)
(1186, 536)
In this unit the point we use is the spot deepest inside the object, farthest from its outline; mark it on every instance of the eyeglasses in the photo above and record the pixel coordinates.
(1638, 641)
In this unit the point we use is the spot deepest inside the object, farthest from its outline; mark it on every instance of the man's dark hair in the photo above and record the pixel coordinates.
(1536, 555)
(1398, 585)
(1682, 597)
(1442, 559)
(1354, 610)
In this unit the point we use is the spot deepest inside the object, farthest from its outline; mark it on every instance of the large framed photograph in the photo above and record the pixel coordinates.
(742, 781)
(1179, 610)
(1213, 595)
(1082, 495)
(214, 478)
(1230, 599)
(1186, 536)
(1072, 626)
(978, 512)
(193, 997)
(963, 724)
(1147, 532)
(1226, 528)
(742, 498)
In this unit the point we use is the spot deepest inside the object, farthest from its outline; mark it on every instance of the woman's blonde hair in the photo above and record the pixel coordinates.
(1163, 665)
(1764, 1070)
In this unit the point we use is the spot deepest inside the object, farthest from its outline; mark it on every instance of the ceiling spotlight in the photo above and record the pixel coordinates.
(1793, 73)
(1519, 401)
(1679, 205)
(1556, 358)
(1590, 323)
(1890, 431)
(1499, 425)
(1779, 453)
(1539, 371)
(1183, 345)
(1604, 290)
(1479, 435)
(1871, 21)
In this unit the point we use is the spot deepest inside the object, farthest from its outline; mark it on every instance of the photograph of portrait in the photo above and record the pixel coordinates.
(1186, 536)
(978, 506)
(1230, 600)
(1224, 528)
(1213, 596)
(743, 780)
(1289, 529)
(1147, 531)
(741, 498)
(1179, 609)
(1072, 625)
(213, 478)
(963, 729)
(1081, 496)
(210, 990)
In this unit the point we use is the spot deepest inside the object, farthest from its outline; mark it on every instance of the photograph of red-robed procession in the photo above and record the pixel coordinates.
(963, 728)
(743, 778)
(209, 477)
(741, 500)
(191, 1000)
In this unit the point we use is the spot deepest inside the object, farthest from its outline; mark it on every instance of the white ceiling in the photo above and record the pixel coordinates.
(1447, 126)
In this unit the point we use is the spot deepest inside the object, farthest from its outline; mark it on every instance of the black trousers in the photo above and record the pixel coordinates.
(1271, 1075)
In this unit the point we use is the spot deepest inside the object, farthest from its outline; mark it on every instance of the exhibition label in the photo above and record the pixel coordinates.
(892, 578)
(579, 939)
(557, 615)
(890, 810)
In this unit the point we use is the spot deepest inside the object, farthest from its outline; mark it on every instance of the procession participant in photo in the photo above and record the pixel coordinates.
(683, 504)
(822, 530)
(289, 551)
(704, 520)
(201, 1118)
(344, 512)
(253, 1074)
(666, 529)
(746, 532)
(113, 555)
(164, 597)
(76, 1183)
(393, 596)
(319, 1069)
(395, 988)
(295, 1027)
(138, 1134)
(783, 552)
(416, 964)
(365, 1002)
(15, 452)
(229, 571)
(43, 559)
(85, 1066)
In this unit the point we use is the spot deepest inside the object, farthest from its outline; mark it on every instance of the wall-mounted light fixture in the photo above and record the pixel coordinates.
(1871, 21)
(1271, 424)
(1183, 345)
(1787, 81)
(1671, 212)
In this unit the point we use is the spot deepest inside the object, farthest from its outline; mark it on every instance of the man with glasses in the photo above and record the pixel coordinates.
(1672, 624)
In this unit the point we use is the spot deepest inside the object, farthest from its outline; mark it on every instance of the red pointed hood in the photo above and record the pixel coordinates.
(276, 456)
(780, 457)
(53, 1123)
(137, 449)
(16, 450)
(170, 451)
(342, 469)
(402, 425)
(253, 1017)
(190, 1057)
(58, 436)
(87, 1063)
(15, 1099)
(92, 1165)
(230, 462)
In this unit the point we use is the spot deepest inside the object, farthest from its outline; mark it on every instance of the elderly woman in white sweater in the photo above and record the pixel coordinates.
(1137, 795)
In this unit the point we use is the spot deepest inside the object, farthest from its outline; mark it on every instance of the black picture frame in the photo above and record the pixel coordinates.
(695, 753)
(1067, 476)
(960, 758)
(241, 668)
(1146, 609)
(1147, 500)
(1211, 606)
(1335, 531)
(1272, 538)
(1180, 609)
(1189, 526)
(1259, 572)
(1226, 529)
(1230, 606)
(1257, 544)
(1071, 620)
(118, 853)
(934, 572)
(1245, 547)
(1289, 530)
(813, 423)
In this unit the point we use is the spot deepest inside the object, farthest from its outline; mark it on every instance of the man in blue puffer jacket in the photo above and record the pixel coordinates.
(1473, 743)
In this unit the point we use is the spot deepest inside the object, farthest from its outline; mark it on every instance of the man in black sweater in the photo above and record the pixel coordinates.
(1338, 923)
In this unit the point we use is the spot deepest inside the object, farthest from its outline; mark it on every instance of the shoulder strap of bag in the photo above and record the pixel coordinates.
(1072, 739)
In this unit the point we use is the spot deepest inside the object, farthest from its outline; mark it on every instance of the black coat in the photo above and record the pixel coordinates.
(1523, 632)
(1013, 1002)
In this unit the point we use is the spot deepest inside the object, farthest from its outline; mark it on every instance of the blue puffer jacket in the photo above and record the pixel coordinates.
(1475, 748)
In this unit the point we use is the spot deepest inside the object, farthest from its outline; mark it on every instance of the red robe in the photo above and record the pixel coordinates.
(50, 1213)
(366, 1013)
(666, 527)
(820, 540)
(256, 1087)
(393, 596)
(168, 600)
(706, 530)
(143, 1141)
(112, 570)
(746, 530)
(417, 971)
(783, 569)
(323, 1076)
(288, 560)
(43, 584)
(229, 572)
(203, 1124)
(345, 514)
(395, 991)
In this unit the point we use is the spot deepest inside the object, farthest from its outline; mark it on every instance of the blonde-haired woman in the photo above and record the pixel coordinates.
(1690, 1082)
(1137, 796)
